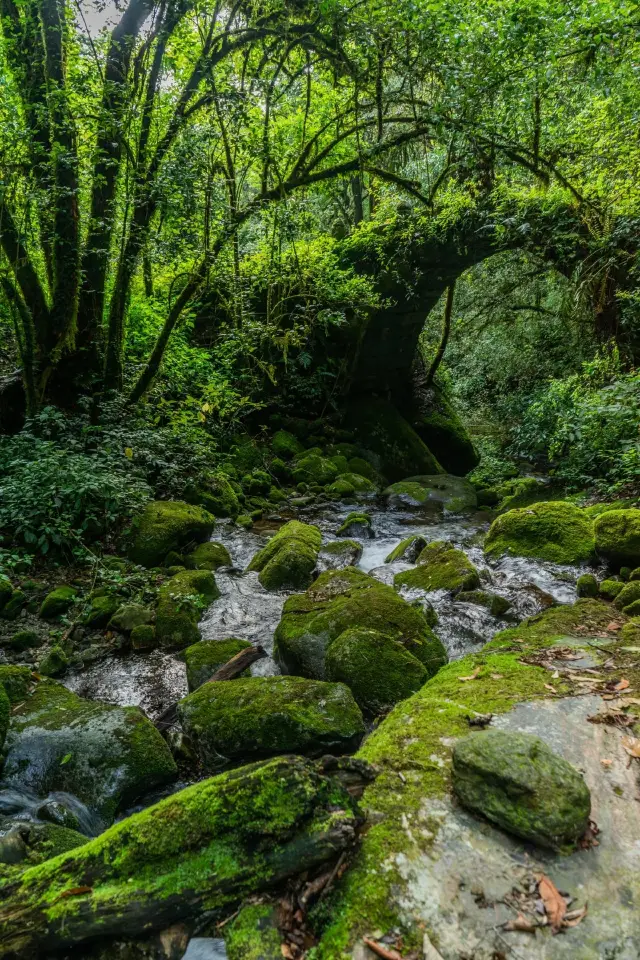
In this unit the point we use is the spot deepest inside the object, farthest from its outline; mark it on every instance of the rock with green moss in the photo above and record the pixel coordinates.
(554, 530)
(522, 492)
(24, 844)
(204, 658)
(5, 715)
(14, 606)
(440, 567)
(128, 616)
(276, 495)
(181, 603)
(256, 483)
(313, 468)
(629, 594)
(617, 535)
(216, 494)
(444, 433)
(143, 637)
(340, 463)
(338, 554)
(436, 494)
(362, 468)
(609, 589)
(635, 574)
(102, 607)
(200, 850)
(285, 445)
(57, 602)
(289, 558)
(281, 470)
(378, 670)
(394, 445)
(25, 640)
(494, 603)
(359, 483)
(254, 934)
(208, 556)
(6, 589)
(339, 600)
(408, 549)
(166, 525)
(106, 756)
(632, 609)
(587, 585)
(262, 716)
(518, 783)
(54, 663)
(356, 525)
(341, 489)
(16, 682)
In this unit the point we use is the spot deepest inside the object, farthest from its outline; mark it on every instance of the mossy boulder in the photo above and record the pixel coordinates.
(254, 934)
(25, 640)
(143, 637)
(587, 585)
(356, 525)
(438, 493)
(261, 716)
(208, 556)
(314, 468)
(617, 535)
(362, 468)
(408, 549)
(440, 567)
(342, 599)
(518, 783)
(102, 607)
(181, 602)
(5, 715)
(396, 448)
(106, 756)
(289, 558)
(446, 435)
(522, 492)
(285, 445)
(341, 489)
(338, 554)
(635, 574)
(14, 605)
(359, 483)
(378, 670)
(256, 483)
(54, 663)
(16, 682)
(128, 616)
(6, 589)
(204, 658)
(24, 844)
(57, 602)
(554, 530)
(609, 589)
(216, 494)
(340, 463)
(166, 525)
(495, 604)
(629, 594)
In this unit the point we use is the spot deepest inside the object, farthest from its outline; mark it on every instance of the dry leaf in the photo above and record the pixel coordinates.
(521, 924)
(614, 625)
(622, 685)
(555, 675)
(614, 717)
(632, 746)
(554, 903)
(286, 951)
(549, 687)
(381, 951)
(575, 917)
(74, 892)
(473, 676)
(496, 676)
(606, 763)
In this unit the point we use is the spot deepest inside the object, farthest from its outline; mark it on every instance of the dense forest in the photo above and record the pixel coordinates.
(319, 479)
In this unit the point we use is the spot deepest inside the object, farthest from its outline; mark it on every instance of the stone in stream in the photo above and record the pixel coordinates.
(262, 716)
(378, 670)
(285, 445)
(164, 526)
(356, 525)
(204, 658)
(609, 589)
(518, 783)
(440, 567)
(408, 549)
(289, 558)
(28, 844)
(587, 585)
(181, 602)
(106, 756)
(342, 599)
(439, 492)
(5, 714)
(338, 554)
(495, 604)
(216, 494)
(555, 530)
(617, 535)
(57, 602)
(314, 468)
(208, 556)
(128, 616)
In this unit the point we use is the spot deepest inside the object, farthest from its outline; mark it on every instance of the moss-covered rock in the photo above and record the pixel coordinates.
(633, 609)
(254, 934)
(397, 449)
(635, 574)
(285, 445)
(522, 492)
(128, 616)
(14, 605)
(339, 600)
(494, 603)
(181, 602)
(25, 844)
(362, 468)
(256, 483)
(446, 436)
(261, 716)
(587, 585)
(378, 670)
(208, 556)
(338, 554)
(57, 602)
(356, 525)
(143, 637)
(609, 589)
(440, 567)
(16, 682)
(6, 589)
(54, 663)
(289, 558)
(629, 594)
(518, 783)
(5, 715)
(102, 607)
(617, 535)
(217, 495)
(359, 483)
(555, 531)
(435, 493)
(341, 489)
(204, 658)
(313, 468)
(166, 525)
(340, 463)
(107, 756)
(408, 549)
(25, 640)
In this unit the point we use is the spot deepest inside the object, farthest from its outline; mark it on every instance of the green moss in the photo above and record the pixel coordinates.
(436, 493)
(378, 670)
(359, 483)
(14, 606)
(355, 523)
(143, 637)
(217, 495)
(585, 618)
(555, 531)
(597, 509)
(629, 594)
(25, 640)
(446, 436)
(128, 616)
(522, 492)
(260, 716)
(618, 537)
(6, 589)
(440, 567)
(340, 463)
(208, 556)
(101, 609)
(254, 934)
(289, 558)
(609, 589)
(496, 604)
(16, 682)
(635, 574)
(204, 658)
(587, 585)
(396, 447)
(630, 632)
(408, 549)
(181, 602)
(57, 602)
(54, 663)
(362, 468)
(341, 488)
(313, 468)
(285, 445)
(339, 600)
(5, 715)
(166, 525)
(632, 609)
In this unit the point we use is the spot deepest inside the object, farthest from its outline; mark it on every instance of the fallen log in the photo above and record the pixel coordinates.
(200, 850)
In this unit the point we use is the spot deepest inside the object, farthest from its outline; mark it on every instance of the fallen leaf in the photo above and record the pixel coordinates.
(632, 746)
(575, 917)
(614, 717)
(606, 763)
(555, 675)
(614, 625)
(74, 892)
(286, 951)
(473, 676)
(496, 676)
(622, 685)
(549, 687)
(554, 903)
(521, 924)
(380, 950)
